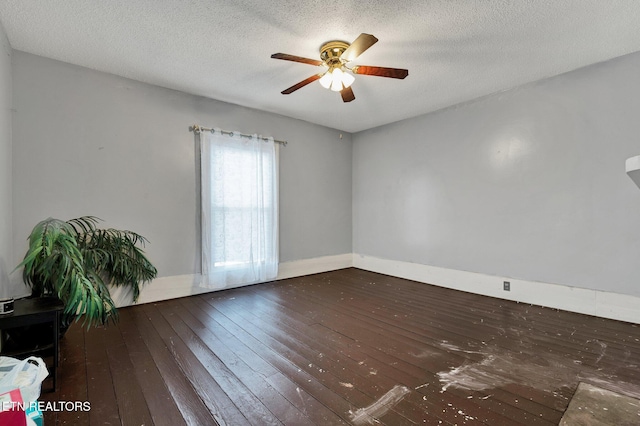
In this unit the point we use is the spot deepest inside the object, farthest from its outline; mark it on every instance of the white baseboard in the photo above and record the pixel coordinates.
(187, 285)
(591, 302)
(162, 288)
(298, 268)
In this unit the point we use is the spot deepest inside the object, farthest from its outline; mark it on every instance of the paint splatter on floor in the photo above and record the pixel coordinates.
(543, 371)
(499, 367)
(371, 414)
(603, 348)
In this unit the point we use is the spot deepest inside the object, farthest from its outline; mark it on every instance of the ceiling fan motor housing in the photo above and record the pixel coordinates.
(331, 51)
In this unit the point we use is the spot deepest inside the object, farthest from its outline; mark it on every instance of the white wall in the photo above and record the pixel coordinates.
(529, 183)
(90, 143)
(6, 238)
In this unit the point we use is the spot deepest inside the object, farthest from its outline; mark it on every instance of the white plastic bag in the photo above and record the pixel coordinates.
(26, 375)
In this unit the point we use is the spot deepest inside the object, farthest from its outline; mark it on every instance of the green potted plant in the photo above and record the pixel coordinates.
(74, 261)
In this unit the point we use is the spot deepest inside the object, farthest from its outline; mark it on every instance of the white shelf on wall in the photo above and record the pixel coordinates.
(633, 169)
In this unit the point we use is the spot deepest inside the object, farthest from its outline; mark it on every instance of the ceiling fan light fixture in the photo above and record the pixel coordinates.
(336, 79)
(326, 79)
(347, 79)
(336, 83)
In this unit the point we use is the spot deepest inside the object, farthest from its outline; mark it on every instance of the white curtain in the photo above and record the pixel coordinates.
(239, 209)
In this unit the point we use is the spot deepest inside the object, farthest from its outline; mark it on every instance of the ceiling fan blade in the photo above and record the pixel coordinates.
(301, 84)
(347, 94)
(294, 58)
(381, 71)
(359, 45)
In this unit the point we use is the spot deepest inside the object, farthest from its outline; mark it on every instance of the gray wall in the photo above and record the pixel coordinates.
(89, 143)
(528, 183)
(6, 239)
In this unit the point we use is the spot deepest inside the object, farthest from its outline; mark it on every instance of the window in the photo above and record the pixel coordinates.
(239, 210)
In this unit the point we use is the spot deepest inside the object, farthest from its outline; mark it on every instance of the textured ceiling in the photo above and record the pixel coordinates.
(455, 50)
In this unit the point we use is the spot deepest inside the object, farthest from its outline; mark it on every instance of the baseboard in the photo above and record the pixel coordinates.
(187, 285)
(316, 265)
(585, 301)
(162, 288)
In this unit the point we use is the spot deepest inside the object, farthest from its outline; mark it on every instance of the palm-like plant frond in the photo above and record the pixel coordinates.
(74, 260)
(114, 254)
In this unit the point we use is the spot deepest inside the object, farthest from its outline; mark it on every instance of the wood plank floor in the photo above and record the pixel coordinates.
(343, 347)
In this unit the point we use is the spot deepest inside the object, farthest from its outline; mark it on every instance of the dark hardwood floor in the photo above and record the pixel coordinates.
(343, 347)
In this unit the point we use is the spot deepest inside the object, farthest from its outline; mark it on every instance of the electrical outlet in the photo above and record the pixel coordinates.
(506, 285)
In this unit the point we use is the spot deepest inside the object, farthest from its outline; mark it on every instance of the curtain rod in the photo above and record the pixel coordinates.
(197, 129)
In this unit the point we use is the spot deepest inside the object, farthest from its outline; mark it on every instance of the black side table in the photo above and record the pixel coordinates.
(36, 311)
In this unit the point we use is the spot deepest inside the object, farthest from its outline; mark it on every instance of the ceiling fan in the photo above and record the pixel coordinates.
(336, 74)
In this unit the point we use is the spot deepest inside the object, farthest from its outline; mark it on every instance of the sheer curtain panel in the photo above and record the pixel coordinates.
(239, 209)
